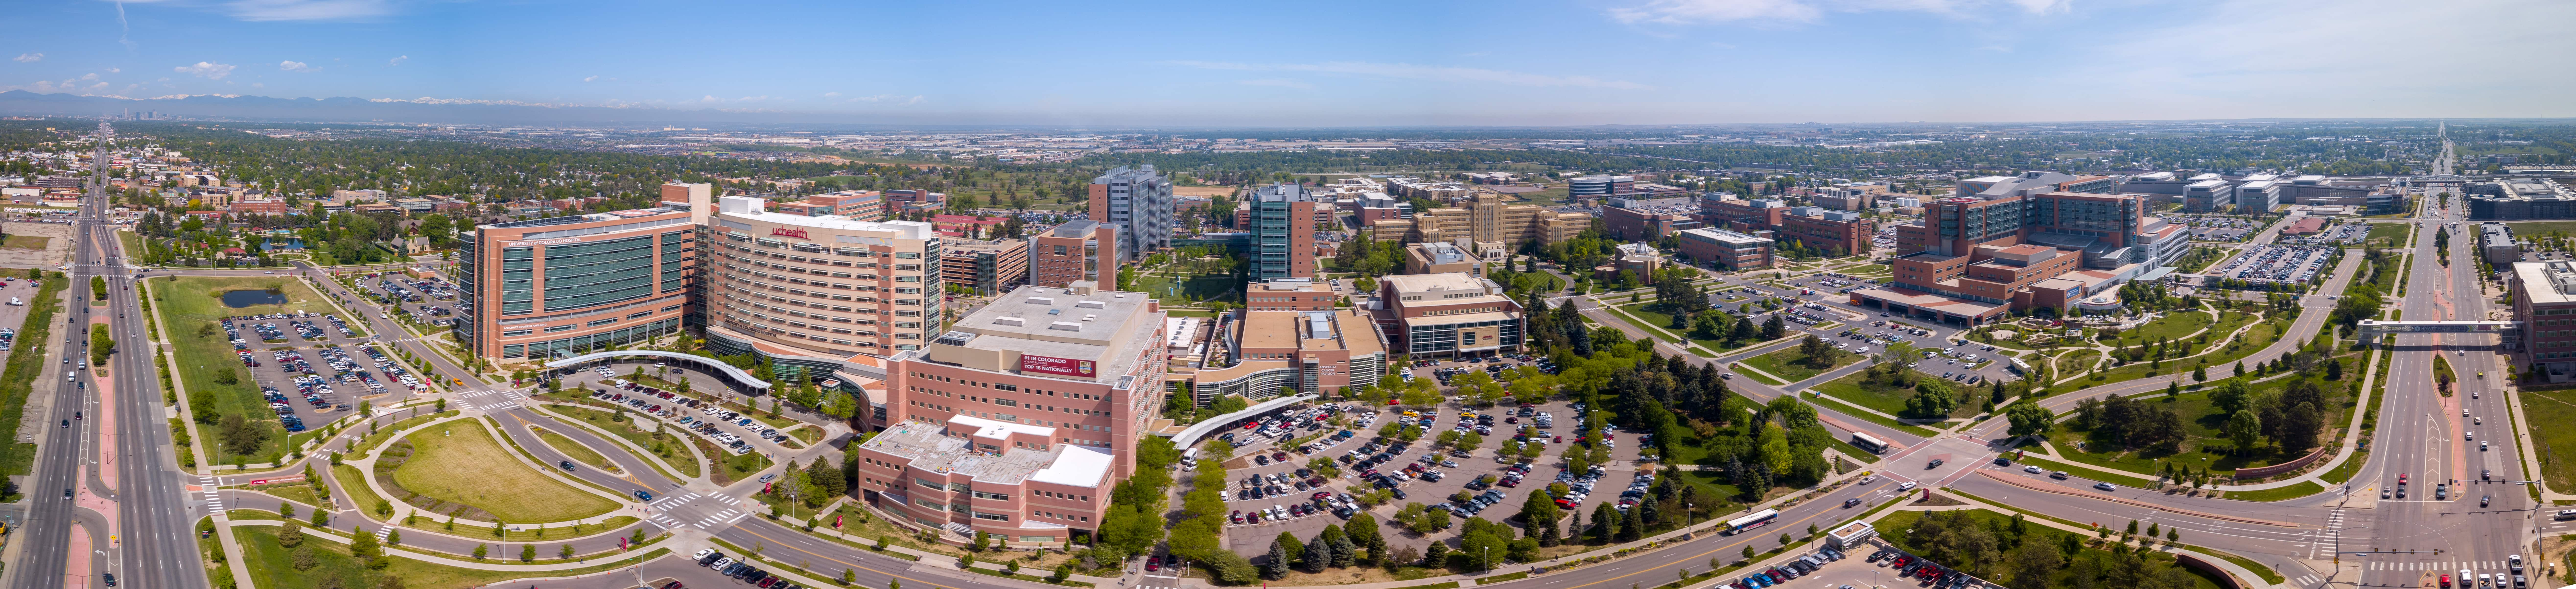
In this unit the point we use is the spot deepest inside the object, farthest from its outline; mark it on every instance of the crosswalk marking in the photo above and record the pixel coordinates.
(2308, 579)
(214, 497)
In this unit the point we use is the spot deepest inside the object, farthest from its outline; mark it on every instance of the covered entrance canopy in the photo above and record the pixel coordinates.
(740, 381)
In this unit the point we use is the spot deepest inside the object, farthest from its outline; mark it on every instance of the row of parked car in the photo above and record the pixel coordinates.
(1800, 567)
(667, 405)
(741, 571)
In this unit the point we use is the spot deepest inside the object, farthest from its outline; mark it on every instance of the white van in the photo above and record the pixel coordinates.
(15, 301)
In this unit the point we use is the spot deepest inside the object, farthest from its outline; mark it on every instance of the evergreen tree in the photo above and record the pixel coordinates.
(1319, 554)
(1605, 522)
(1277, 565)
(1632, 526)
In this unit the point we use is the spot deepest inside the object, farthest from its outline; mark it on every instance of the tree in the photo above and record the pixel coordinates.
(2245, 429)
(2029, 418)
(527, 552)
(481, 550)
(1276, 565)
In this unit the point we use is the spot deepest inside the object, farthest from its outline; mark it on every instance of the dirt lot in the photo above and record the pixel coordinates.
(55, 248)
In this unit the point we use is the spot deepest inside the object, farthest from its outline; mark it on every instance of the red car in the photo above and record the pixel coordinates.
(1153, 564)
(2401, 478)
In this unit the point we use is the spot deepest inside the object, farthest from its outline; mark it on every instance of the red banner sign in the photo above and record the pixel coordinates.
(785, 232)
(1051, 365)
(259, 481)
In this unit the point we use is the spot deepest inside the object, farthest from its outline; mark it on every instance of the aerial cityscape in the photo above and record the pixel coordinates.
(1708, 294)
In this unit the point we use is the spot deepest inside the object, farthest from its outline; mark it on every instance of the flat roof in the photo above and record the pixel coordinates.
(1467, 318)
(1426, 282)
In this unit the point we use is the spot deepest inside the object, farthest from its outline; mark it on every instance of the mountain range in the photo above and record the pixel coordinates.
(355, 110)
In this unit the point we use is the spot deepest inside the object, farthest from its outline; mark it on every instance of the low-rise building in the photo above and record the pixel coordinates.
(858, 205)
(1427, 315)
(1647, 219)
(2497, 245)
(967, 225)
(1487, 219)
(1019, 419)
(1076, 251)
(1314, 351)
(1443, 257)
(986, 267)
(1725, 250)
(1289, 294)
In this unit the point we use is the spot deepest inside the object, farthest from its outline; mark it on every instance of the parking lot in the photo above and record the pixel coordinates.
(2279, 263)
(2217, 228)
(1432, 483)
(694, 411)
(312, 365)
(1864, 566)
(431, 298)
(1821, 296)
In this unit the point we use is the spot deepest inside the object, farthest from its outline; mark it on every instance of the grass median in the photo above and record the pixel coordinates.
(461, 463)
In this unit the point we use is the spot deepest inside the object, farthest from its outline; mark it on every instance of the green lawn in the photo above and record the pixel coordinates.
(26, 364)
(1859, 389)
(354, 485)
(1894, 528)
(2389, 235)
(2557, 406)
(2205, 446)
(2255, 339)
(663, 444)
(193, 309)
(271, 566)
(1637, 313)
(1792, 364)
(2170, 326)
(461, 463)
(25, 242)
(2303, 489)
(579, 453)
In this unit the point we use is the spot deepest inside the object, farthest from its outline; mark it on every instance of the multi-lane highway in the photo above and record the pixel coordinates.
(133, 508)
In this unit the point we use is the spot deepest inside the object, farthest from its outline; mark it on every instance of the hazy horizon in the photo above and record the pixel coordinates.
(1336, 64)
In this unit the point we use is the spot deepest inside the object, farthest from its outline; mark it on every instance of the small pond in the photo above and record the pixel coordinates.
(246, 298)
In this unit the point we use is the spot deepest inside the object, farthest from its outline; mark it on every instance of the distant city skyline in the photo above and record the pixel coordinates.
(1512, 62)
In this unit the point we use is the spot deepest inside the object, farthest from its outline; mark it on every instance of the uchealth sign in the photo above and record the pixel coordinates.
(1053, 365)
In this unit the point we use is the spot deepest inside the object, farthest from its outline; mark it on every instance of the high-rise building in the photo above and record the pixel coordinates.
(818, 289)
(1139, 201)
(1018, 419)
(1073, 252)
(569, 285)
(1282, 222)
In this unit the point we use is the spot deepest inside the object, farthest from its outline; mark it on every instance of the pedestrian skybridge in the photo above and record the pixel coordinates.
(2376, 327)
(2508, 333)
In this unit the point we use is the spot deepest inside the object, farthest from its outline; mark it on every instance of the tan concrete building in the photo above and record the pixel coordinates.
(829, 286)
(1446, 314)
(1487, 219)
(1309, 351)
(1289, 294)
(987, 267)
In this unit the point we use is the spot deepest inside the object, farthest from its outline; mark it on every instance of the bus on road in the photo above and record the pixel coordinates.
(1865, 442)
(1756, 520)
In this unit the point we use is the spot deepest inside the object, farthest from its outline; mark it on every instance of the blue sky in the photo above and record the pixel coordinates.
(1333, 63)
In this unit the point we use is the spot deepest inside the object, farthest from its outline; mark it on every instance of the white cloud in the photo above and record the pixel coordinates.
(1679, 12)
(115, 70)
(282, 10)
(1276, 82)
(297, 66)
(398, 60)
(888, 99)
(28, 57)
(1425, 73)
(92, 77)
(2286, 56)
(258, 85)
(831, 95)
(586, 79)
(206, 69)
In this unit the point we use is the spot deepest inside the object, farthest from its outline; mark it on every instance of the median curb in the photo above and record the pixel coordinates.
(2018, 482)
